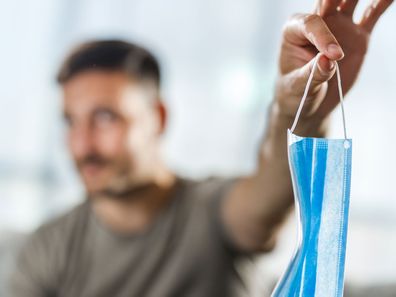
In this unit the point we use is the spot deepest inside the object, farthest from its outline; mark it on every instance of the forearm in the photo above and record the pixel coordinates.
(272, 178)
(268, 194)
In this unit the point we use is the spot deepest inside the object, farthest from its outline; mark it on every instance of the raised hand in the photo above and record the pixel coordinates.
(332, 32)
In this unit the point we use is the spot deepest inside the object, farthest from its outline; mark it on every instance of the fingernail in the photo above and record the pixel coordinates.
(335, 49)
(331, 65)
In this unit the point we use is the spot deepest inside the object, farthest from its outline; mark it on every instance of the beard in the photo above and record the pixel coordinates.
(109, 177)
(125, 192)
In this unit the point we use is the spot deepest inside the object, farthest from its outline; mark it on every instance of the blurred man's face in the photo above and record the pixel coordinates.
(113, 130)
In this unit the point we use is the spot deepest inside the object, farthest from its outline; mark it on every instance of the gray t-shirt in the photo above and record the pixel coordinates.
(185, 252)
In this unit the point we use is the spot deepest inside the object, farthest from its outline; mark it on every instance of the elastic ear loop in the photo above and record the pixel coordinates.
(306, 94)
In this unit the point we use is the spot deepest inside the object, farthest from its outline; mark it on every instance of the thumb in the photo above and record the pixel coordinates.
(292, 87)
(323, 70)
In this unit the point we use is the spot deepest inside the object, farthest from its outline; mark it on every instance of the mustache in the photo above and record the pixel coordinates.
(92, 160)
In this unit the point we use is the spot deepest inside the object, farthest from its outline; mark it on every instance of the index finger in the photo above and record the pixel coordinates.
(311, 29)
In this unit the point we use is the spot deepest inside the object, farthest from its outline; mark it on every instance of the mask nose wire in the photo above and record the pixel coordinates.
(305, 95)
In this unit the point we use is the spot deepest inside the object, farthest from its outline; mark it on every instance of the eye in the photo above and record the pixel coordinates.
(105, 116)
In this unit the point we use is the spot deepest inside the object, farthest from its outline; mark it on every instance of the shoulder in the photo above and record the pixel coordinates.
(208, 188)
(63, 225)
(205, 199)
(205, 195)
(53, 234)
(42, 253)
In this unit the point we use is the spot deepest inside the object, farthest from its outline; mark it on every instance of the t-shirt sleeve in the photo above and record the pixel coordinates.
(216, 192)
(31, 275)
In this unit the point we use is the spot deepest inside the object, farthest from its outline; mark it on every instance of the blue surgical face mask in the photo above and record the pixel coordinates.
(321, 174)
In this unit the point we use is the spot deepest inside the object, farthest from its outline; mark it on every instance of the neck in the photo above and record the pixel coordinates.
(135, 212)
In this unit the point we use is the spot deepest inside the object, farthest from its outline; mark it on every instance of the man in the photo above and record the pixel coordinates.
(144, 231)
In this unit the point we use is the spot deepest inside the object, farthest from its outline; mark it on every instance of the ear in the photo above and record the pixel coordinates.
(162, 115)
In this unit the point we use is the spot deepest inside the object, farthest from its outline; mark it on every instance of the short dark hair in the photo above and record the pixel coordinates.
(111, 55)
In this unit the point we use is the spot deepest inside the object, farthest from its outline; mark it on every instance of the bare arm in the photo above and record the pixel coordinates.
(257, 204)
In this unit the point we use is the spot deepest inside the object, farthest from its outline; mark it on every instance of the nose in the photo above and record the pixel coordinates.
(81, 141)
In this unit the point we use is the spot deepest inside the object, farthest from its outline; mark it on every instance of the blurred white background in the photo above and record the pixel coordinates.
(219, 62)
